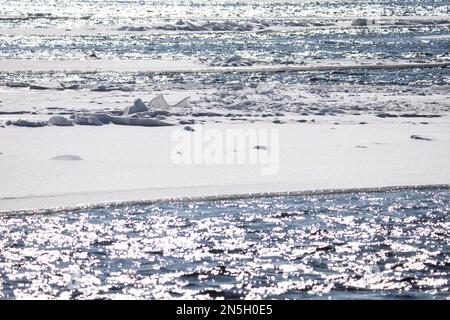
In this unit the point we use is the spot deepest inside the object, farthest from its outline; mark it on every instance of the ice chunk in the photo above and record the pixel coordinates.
(138, 106)
(29, 124)
(46, 86)
(159, 102)
(145, 122)
(60, 121)
(87, 120)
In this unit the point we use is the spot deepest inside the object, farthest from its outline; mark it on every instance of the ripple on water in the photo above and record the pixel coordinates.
(361, 245)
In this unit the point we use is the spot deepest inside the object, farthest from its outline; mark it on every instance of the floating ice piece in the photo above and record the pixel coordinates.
(138, 106)
(415, 115)
(103, 88)
(233, 58)
(233, 61)
(131, 28)
(145, 122)
(206, 114)
(13, 112)
(103, 118)
(159, 102)
(410, 22)
(208, 26)
(386, 115)
(187, 26)
(39, 15)
(186, 121)
(60, 121)
(87, 120)
(228, 26)
(285, 62)
(70, 86)
(29, 124)
(46, 86)
(17, 84)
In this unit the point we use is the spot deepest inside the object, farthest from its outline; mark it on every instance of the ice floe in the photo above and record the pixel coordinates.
(139, 114)
(233, 61)
(87, 120)
(131, 28)
(60, 121)
(29, 123)
(105, 88)
(182, 25)
(144, 122)
(46, 86)
(265, 25)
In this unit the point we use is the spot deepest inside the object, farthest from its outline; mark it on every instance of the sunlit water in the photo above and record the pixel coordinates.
(362, 245)
(111, 12)
(396, 43)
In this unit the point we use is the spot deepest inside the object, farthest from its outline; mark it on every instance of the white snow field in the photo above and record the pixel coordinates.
(118, 163)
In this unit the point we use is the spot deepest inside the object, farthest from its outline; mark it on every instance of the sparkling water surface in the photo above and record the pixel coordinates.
(362, 245)
(111, 12)
(397, 43)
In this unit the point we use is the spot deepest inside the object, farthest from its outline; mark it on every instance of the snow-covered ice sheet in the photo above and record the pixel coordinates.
(116, 163)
